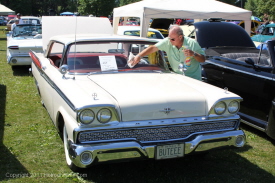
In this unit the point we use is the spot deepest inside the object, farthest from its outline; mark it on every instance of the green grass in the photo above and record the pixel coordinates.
(31, 150)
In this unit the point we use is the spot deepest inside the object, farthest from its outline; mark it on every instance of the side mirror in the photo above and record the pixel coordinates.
(249, 61)
(64, 69)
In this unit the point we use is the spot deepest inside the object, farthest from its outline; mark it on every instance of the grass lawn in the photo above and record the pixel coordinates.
(31, 150)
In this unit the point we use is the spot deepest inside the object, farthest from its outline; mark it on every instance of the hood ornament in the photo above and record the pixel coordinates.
(225, 90)
(167, 110)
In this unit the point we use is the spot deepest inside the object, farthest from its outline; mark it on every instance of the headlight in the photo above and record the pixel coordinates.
(104, 115)
(86, 116)
(233, 106)
(220, 108)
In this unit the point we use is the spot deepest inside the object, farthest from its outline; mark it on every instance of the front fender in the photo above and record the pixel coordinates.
(69, 121)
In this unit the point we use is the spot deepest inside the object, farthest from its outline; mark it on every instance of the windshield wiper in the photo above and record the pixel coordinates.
(102, 72)
(144, 70)
(123, 70)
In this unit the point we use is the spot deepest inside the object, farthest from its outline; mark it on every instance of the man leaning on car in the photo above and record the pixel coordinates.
(179, 49)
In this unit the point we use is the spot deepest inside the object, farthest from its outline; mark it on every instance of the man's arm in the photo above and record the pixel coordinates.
(147, 51)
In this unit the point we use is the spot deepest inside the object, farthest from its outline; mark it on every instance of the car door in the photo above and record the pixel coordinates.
(212, 71)
(252, 83)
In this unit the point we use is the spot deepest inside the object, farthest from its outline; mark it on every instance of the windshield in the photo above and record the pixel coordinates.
(268, 31)
(98, 57)
(26, 30)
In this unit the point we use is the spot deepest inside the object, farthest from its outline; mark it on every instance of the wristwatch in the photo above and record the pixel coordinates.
(196, 54)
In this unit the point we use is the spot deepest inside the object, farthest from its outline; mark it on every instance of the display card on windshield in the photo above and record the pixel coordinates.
(107, 63)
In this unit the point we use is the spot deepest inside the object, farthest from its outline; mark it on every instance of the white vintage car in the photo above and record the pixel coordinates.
(20, 41)
(109, 112)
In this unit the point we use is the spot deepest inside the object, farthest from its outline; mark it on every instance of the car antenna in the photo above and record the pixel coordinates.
(74, 42)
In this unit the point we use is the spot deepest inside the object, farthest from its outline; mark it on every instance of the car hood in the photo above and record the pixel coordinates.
(151, 96)
(161, 23)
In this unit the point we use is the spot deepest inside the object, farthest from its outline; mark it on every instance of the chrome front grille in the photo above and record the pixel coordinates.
(155, 133)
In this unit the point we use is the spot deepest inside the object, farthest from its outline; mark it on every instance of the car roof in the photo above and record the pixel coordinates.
(30, 17)
(70, 38)
(213, 34)
(270, 25)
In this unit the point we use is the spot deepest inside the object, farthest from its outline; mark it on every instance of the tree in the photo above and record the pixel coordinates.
(252, 6)
(125, 2)
(96, 7)
(260, 7)
(266, 6)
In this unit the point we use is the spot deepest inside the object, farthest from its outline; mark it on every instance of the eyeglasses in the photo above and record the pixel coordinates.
(171, 39)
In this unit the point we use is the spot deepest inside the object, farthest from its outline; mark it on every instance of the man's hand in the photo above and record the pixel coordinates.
(136, 60)
(188, 53)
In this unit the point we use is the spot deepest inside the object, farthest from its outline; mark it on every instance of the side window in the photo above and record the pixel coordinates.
(55, 53)
(34, 22)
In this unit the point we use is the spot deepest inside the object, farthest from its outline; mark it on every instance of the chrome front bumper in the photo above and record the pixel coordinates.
(133, 150)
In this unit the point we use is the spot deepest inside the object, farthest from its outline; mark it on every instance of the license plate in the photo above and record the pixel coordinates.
(170, 151)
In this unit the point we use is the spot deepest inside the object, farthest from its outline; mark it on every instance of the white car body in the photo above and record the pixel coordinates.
(20, 41)
(107, 111)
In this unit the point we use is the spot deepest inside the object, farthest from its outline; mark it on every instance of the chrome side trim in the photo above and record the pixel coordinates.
(54, 86)
(252, 125)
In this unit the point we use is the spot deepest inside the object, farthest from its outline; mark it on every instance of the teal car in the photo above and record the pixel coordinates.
(267, 33)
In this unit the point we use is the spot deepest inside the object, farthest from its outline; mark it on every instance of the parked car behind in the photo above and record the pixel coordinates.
(10, 22)
(254, 26)
(241, 68)
(135, 31)
(129, 23)
(26, 20)
(162, 25)
(20, 41)
(3, 20)
(106, 111)
(267, 33)
(188, 30)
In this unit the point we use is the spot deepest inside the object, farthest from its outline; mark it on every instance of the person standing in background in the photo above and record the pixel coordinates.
(14, 24)
(18, 16)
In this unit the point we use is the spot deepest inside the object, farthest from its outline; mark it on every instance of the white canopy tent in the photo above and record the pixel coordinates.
(5, 11)
(191, 9)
